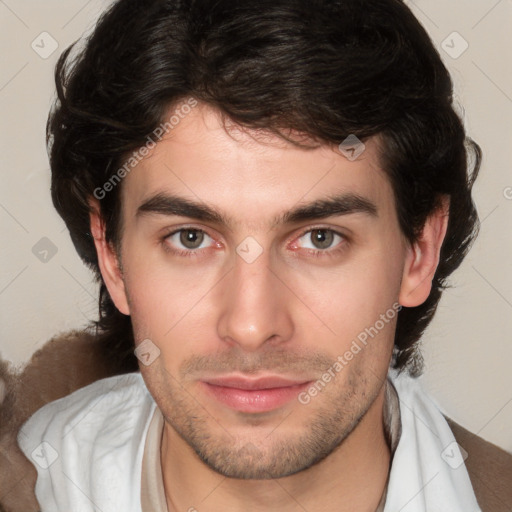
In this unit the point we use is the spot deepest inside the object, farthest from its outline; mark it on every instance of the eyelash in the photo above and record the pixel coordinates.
(329, 253)
(318, 253)
(182, 252)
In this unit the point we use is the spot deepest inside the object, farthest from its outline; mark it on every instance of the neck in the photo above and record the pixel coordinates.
(352, 478)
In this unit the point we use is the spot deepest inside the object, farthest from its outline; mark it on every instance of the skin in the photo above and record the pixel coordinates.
(290, 312)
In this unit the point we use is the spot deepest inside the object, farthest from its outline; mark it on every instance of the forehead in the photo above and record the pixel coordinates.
(251, 175)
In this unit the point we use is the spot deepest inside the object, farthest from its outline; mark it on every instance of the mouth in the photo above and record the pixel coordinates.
(253, 395)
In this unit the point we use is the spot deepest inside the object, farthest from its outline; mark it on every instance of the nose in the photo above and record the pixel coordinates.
(255, 306)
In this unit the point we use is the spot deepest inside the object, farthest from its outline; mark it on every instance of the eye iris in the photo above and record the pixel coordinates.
(322, 238)
(191, 238)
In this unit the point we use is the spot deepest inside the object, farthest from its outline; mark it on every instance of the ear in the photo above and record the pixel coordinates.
(423, 258)
(108, 260)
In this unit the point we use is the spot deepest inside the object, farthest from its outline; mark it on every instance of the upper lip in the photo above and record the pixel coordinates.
(259, 383)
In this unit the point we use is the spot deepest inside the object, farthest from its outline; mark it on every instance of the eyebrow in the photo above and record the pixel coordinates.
(342, 204)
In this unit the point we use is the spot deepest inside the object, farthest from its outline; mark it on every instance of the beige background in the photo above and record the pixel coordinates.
(468, 348)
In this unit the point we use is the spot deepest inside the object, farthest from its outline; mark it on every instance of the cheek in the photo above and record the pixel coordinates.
(358, 308)
(167, 301)
(356, 294)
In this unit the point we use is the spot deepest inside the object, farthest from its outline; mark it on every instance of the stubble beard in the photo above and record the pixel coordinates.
(280, 453)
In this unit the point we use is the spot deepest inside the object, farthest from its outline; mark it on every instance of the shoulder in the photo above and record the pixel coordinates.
(89, 445)
(489, 467)
(113, 401)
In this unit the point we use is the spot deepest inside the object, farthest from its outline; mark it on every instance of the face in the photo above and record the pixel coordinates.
(253, 266)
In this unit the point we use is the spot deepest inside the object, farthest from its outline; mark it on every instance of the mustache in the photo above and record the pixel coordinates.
(275, 361)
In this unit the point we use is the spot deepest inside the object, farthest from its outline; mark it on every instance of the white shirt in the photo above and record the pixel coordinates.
(88, 449)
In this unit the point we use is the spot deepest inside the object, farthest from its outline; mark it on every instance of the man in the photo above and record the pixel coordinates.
(272, 196)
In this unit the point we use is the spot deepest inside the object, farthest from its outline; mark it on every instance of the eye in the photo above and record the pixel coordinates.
(189, 239)
(320, 239)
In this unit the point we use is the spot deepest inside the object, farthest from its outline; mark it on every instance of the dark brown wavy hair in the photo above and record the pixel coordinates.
(325, 68)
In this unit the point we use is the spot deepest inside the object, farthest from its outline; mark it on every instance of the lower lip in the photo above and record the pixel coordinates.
(254, 400)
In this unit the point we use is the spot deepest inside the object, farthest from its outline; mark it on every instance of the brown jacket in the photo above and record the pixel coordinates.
(73, 360)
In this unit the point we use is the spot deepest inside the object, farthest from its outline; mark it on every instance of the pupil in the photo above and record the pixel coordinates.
(322, 238)
(191, 238)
